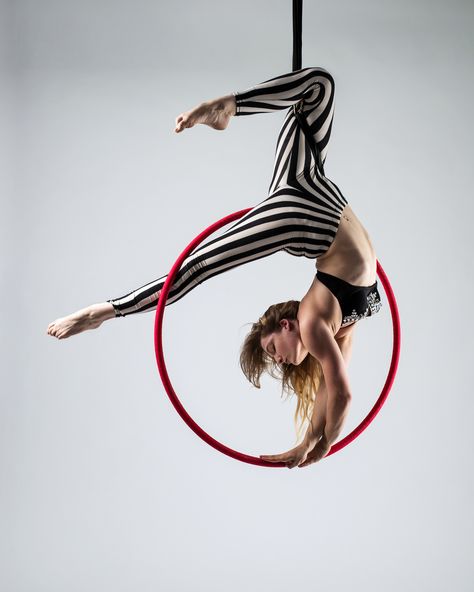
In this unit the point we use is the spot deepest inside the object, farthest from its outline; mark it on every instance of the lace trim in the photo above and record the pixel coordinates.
(373, 306)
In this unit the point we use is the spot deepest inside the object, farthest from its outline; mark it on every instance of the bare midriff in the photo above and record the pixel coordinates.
(351, 256)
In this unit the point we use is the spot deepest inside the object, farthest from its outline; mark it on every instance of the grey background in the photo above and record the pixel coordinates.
(103, 487)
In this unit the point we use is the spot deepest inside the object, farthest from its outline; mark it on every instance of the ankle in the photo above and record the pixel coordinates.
(226, 104)
(230, 104)
(102, 311)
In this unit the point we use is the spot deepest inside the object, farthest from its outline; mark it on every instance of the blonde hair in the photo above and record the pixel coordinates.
(303, 380)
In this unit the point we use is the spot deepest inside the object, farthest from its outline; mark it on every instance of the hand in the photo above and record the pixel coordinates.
(292, 458)
(317, 453)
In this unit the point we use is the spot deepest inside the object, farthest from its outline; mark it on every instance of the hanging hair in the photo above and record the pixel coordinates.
(303, 380)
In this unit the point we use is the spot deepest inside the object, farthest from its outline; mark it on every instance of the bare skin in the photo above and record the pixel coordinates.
(90, 317)
(216, 114)
(350, 257)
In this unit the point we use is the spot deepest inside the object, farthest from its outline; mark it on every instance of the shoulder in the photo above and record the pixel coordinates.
(320, 318)
(320, 342)
(318, 338)
(320, 304)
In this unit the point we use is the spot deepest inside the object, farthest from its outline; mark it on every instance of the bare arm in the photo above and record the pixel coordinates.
(318, 418)
(315, 444)
(333, 397)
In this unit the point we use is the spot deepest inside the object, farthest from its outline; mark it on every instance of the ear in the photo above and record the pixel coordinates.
(285, 324)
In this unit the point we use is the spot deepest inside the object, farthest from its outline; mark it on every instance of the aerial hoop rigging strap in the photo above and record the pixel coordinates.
(297, 33)
(297, 30)
(297, 61)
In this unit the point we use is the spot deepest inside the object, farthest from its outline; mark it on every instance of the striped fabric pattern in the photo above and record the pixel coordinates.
(302, 211)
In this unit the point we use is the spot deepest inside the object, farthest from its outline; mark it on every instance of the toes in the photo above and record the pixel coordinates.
(184, 121)
(181, 126)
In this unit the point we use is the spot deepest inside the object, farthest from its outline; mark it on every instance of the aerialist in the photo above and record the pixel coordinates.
(306, 344)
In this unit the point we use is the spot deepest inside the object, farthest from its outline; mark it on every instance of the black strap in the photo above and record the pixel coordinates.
(297, 61)
(297, 33)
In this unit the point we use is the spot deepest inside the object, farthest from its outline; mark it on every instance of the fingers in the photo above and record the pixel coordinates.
(290, 461)
(310, 461)
(273, 457)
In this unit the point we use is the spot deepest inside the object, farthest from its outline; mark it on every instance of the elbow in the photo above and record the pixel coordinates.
(347, 398)
(341, 388)
(344, 397)
(340, 402)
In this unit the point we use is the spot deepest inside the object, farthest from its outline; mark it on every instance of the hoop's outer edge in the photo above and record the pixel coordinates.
(391, 372)
(177, 403)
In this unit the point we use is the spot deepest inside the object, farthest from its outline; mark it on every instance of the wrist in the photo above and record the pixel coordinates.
(311, 438)
(324, 442)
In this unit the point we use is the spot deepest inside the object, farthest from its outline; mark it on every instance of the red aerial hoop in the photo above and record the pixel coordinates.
(182, 411)
(297, 60)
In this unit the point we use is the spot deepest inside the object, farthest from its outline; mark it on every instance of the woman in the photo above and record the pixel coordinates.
(308, 343)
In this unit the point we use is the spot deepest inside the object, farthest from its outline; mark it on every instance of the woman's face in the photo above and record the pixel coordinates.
(285, 346)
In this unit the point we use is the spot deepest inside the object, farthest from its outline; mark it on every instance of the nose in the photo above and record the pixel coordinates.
(278, 359)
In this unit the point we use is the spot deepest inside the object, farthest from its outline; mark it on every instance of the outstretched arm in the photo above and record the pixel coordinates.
(314, 445)
(315, 436)
(318, 418)
(323, 346)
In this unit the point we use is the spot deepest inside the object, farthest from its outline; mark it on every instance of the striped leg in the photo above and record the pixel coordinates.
(302, 221)
(312, 91)
(288, 220)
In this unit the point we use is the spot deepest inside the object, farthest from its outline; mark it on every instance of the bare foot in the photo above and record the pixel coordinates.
(216, 114)
(90, 317)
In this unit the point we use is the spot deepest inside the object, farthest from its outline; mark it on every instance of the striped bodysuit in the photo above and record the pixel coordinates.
(302, 211)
